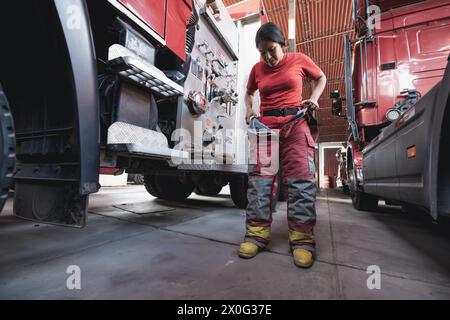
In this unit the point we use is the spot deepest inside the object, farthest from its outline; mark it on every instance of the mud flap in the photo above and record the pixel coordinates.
(53, 203)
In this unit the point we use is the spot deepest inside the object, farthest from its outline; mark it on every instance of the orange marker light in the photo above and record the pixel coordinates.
(412, 152)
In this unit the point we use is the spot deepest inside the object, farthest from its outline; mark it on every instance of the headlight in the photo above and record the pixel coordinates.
(393, 115)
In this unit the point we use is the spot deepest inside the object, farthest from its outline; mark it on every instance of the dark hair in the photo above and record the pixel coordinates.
(270, 32)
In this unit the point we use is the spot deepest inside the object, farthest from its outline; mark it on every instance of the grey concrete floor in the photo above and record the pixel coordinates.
(189, 251)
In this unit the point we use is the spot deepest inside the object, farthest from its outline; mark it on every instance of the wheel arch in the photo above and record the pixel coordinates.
(443, 167)
(74, 37)
(437, 172)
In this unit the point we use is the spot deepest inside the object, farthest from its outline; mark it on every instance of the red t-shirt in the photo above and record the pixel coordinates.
(281, 86)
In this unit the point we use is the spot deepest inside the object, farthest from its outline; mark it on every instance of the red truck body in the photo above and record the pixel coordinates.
(395, 68)
(166, 18)
(409, 51)
(117, 86)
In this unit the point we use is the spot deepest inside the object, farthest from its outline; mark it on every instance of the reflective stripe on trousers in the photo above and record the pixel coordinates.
(294, 148)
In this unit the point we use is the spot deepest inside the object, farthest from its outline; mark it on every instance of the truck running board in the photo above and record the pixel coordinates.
(134, 140)
(125, 63)
(150, 152)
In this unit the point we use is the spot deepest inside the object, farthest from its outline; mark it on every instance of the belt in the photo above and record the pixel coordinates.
(280, 112)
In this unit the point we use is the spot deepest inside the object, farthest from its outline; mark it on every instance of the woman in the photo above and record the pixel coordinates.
(279, 79)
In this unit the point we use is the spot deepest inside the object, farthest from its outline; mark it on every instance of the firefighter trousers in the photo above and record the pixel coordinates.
(292, 148)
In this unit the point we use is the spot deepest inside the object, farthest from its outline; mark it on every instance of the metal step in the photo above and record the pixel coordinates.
(127, 64)
(130, 139)
(150, 152)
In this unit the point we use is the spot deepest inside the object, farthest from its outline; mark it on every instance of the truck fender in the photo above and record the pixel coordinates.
(75, 22)
(442, 103)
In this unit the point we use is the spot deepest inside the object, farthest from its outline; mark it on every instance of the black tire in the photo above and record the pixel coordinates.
(364, 202)
(208, 192)
(361, 201)
(150, 185)
(7, 148)
(346, 189)
(208, 187)
(238, 190)
(168, 188)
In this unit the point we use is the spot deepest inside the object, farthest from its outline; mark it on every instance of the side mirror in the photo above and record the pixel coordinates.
(336, 105)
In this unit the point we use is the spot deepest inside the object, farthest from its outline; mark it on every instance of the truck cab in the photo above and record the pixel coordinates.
(396, 66)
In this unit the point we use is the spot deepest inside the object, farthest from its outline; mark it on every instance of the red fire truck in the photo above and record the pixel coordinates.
(397, 79)
(90, 84)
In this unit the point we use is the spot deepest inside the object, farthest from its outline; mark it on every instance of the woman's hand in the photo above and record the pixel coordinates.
(250, 114)
(318, 88)
(249, 106)
(312, 105)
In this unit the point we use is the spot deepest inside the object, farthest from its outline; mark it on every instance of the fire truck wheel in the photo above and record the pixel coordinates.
(208, 187)
(168, 188)
(7, 148)
(201, 191)
(346, 189)
(364, 202)
(238, 189)
(150, 185)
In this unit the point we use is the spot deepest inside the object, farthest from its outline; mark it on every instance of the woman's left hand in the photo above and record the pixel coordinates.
(311, 104)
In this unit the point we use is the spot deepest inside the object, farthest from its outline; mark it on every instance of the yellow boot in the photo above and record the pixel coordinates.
(248, 250)
(303, 258)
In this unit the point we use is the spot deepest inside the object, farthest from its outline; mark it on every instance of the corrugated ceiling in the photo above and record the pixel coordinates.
(321, 25)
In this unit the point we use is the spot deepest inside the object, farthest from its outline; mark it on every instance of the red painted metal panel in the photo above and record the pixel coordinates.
(388, 51)
(110, 171)
(384, 5)
(419, 59)
(427, 54)
(151, 12)
(228, 3)
(244, 9)
(178, 14)
(421, 13)
(241, 10)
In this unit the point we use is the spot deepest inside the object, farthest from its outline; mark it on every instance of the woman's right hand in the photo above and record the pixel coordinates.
(250, 114)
